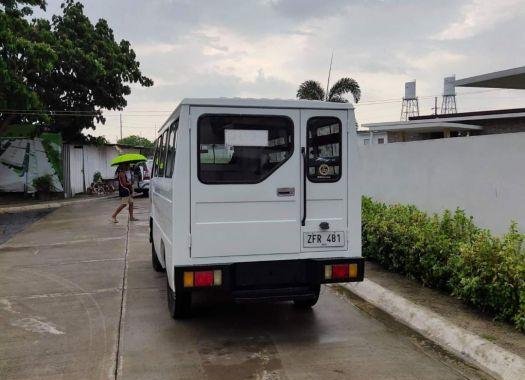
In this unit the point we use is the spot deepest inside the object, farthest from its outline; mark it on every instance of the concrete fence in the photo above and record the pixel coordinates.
(82, 161)
(484, 175)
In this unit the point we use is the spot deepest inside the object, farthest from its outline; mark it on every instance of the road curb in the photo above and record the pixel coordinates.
(472, 348)
(49, 205)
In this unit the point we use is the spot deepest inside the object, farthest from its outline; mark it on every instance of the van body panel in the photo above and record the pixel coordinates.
(354, 189)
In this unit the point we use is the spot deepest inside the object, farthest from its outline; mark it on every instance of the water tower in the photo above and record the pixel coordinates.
(448, 104)
(410, 105)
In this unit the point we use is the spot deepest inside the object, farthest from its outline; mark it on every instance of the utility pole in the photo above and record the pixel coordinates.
(329, 72)
(435, 108)
(121, 126)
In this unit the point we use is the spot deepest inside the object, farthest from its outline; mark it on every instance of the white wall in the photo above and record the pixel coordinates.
(88, 159)
(484, 175)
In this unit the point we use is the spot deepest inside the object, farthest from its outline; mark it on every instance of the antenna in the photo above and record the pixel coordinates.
(410, 105)
(448, 104)
(329, 72)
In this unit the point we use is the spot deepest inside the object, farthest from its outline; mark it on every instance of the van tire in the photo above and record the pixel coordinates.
(179, 303)
(157, 266)
(308, 303)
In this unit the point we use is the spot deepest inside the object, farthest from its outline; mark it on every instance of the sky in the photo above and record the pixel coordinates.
(266, 48)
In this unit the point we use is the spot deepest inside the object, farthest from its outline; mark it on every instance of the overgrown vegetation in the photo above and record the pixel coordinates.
(449, 252)
(52, 144)
(97, 177)
(43, 184)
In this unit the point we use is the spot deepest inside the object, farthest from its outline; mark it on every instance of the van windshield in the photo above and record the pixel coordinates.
(242, 148)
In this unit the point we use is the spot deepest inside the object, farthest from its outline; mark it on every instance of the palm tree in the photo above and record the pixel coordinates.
(313, 90)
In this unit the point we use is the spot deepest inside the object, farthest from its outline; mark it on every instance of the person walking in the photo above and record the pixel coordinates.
(125, 192)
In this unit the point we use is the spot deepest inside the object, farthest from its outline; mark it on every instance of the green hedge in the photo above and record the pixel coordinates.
(449, 252)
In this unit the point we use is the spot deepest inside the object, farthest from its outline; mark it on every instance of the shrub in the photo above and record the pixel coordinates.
(449, 252)
(43, 184)
(97, 177)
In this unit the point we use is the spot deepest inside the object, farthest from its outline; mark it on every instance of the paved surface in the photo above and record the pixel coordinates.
(64, 314)
(11, 224)
(457, 312)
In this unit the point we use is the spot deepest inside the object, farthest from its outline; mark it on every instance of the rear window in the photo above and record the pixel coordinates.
(324, 149)
(236, 149)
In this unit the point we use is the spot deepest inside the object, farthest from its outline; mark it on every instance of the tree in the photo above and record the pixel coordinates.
(92, 73)
(95, 140)
(88, 71)
(136, 141)
(313, 90)
(25, 52)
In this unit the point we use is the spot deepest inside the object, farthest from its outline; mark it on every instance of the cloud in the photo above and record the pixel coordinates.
(433, 60)
(144, 49)
(266, 48)
(479, 16)
(306, 9)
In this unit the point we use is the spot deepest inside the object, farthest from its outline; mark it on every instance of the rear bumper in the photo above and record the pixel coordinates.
(271, 280)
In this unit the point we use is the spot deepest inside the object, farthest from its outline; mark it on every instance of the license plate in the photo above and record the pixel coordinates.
(323, 239)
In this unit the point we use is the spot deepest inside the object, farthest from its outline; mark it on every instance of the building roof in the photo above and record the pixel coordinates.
(510, 79)
(421, 126)
(265, 103)
(478, 115)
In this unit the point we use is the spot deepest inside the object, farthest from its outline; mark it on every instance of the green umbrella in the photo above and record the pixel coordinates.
(128, 158)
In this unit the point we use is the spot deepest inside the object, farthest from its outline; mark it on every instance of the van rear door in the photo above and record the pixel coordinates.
(324, 227)
(245, 182)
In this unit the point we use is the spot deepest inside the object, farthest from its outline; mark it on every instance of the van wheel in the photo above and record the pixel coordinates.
(179, 303)
(157, 266)
(308, 303)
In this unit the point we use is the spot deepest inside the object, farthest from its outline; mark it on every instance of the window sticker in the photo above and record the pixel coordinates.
(244, 137)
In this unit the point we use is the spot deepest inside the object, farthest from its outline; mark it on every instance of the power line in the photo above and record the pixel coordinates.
(163, 113)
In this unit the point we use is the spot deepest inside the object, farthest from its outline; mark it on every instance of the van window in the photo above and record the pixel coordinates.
(156, 158)
(324, 149)
(242, 148)
(170, 157)
(162, 154)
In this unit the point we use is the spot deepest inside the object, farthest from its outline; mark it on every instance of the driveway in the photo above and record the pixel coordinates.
(79, 300)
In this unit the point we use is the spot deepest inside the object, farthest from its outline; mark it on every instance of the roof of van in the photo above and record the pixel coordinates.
(265, 103)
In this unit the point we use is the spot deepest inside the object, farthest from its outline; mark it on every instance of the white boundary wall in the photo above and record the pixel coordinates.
(85, 160)
(484, 175)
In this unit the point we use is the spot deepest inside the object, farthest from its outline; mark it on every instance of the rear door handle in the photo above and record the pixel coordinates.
(286, 191)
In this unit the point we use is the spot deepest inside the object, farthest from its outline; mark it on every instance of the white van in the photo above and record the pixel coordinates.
(256, 197)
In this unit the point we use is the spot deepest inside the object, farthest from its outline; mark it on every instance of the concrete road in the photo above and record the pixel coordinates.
(11, 224)
(79, 300)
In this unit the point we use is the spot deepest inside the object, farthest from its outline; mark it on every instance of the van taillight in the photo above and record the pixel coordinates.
(340, 271)
(201, 279)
